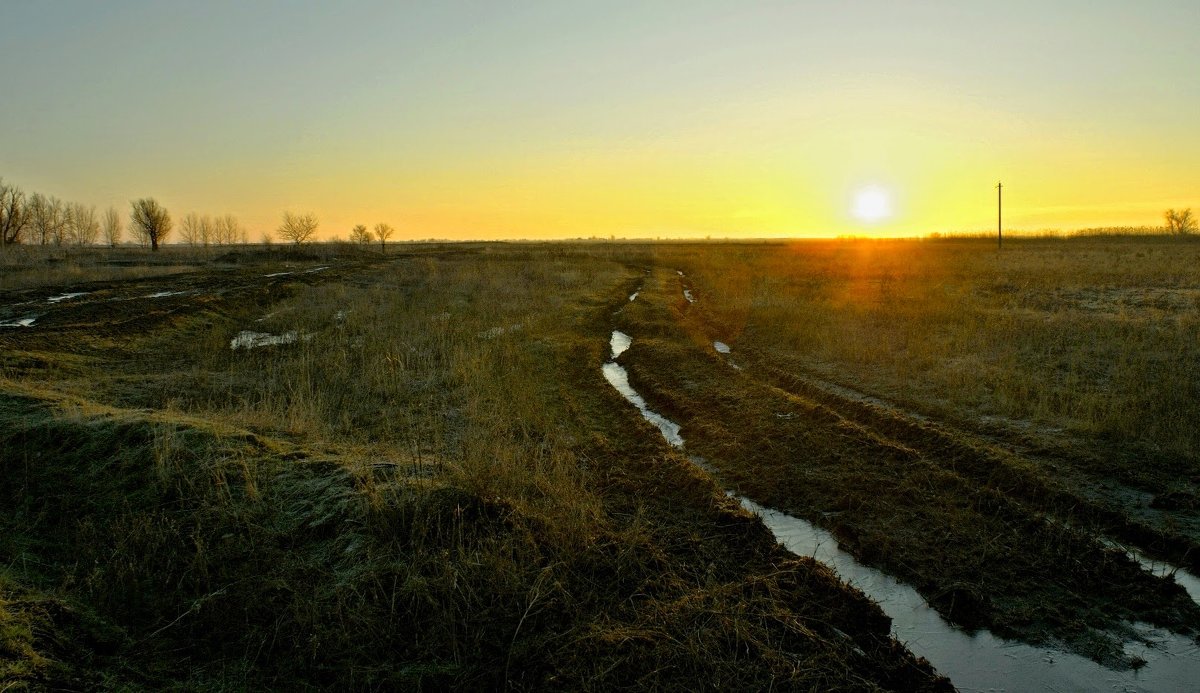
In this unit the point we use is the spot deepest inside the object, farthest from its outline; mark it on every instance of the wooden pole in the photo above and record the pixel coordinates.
(999, 215)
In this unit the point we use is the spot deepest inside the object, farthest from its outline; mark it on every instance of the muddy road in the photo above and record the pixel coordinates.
(971, 521)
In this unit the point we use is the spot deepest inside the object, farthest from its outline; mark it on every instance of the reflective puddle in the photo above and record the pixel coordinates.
(619, 343)
(66, 297)
(983, 662)
(721, 347)
(21, 322)
(974, 662)
(1188, 581)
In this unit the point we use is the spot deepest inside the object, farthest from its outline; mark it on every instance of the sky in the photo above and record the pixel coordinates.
(480, 120)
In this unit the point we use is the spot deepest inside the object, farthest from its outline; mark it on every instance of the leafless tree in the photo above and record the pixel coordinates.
(383, 232)
(191, 229)
(81, 227)
(360, 234)
(112, 227)
(266, 238)
(14, 213)
(1180, 222)
(56, 215)
(297, 228)
(207, 231)
(227, 229)
(150, 220)
(47, 219)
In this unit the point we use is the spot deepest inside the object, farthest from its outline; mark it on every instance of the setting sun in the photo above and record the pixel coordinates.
(872, 204)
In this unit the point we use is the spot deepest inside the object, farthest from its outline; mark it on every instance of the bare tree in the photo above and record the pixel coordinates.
(266, 238)
(81, 226)
(227, 229)
(14, 213)
(56, 217)
(190, 230)
(150, 221)
(209, 231)
(383, 232)
(39, 222)
(47, 219)
(360, 234)
(112, 227)
(297, 228)
(1180, 222)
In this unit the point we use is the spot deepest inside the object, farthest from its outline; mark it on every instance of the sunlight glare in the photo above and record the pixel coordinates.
(872, 204)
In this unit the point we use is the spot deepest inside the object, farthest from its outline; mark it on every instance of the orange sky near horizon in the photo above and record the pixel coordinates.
(564, 120)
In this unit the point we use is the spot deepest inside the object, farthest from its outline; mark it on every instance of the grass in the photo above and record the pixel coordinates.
(432, 486)
(1090, 336)
(433, 489)
(933, 403)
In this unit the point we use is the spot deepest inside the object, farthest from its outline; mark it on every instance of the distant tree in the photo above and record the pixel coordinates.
(266, 238)
(47, 219)
(207, 231)
(150, 221)
(227, 229)
(14, 213)
(297, 228)
(112, 227)
(81, 225)
(360, 234)
(56, 221)
(383, 232)
(39, 212)
(191, 229)
(1180, 222)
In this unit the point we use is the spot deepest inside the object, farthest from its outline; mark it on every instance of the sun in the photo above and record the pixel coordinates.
(872, 204)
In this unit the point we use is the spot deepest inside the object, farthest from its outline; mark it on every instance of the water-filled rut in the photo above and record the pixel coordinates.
(979, 661)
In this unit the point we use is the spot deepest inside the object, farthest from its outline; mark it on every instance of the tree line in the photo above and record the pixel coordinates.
(46, 220)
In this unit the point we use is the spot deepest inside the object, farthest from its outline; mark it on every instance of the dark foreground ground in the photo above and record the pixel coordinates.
(421, 482)
(410, 473)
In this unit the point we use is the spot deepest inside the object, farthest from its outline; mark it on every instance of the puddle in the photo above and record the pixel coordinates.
(1188, 581)
(66, 297)
(250, 340)
(619, 378)
(164, 294)
(278, 274)
(687, 293)
(620, 343)
(974, 662)
(679, 272)
(982, 661)
(721, 347)
(20, 322)
(633, 296)
(315, 270)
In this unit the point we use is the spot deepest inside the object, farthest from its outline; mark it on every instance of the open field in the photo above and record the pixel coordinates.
(331, 468)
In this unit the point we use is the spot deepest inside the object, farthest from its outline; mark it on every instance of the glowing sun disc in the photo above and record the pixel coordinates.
(872, 204)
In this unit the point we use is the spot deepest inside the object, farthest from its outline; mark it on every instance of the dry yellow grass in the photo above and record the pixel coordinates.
(1095, 337)
(429, 486)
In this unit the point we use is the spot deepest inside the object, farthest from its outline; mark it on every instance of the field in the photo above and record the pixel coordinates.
(333, 468)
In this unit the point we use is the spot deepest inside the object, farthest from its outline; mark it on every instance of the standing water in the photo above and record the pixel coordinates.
(978, 662)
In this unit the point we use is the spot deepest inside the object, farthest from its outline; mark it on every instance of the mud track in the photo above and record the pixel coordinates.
(976, 526)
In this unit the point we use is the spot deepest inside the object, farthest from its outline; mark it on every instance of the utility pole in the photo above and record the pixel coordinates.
(999, 215)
